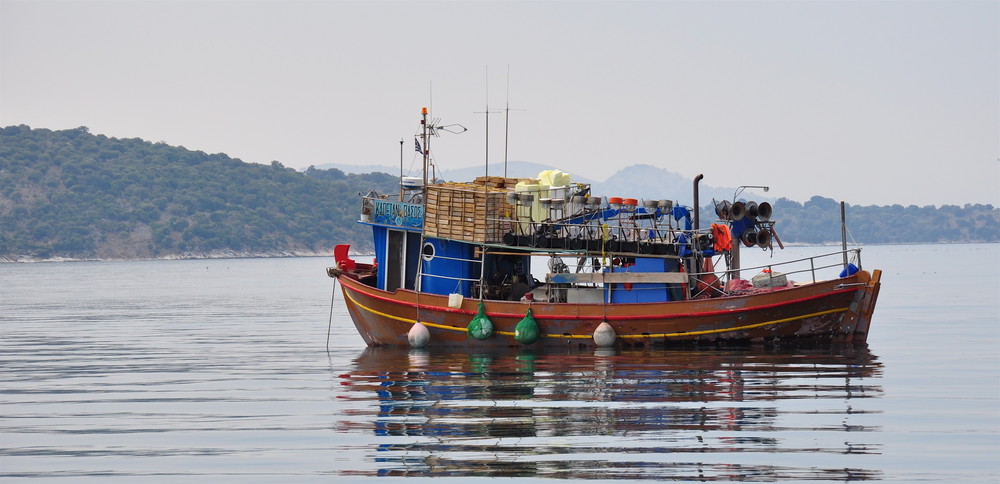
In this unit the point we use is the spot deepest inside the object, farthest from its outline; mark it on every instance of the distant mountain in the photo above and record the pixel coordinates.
(646, 182)
(515, 169)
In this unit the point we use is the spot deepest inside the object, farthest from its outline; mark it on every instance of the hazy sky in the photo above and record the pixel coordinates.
(871, 102)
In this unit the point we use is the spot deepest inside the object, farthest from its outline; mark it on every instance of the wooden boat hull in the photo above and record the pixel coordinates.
(838, 310)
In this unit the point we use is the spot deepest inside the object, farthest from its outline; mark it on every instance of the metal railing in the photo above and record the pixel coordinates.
(812, 265)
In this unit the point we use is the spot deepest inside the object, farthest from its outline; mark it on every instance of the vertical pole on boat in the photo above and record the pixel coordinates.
(506, 131)
(696, 203)
(506, 128)
(426, 148)
(482, 270)
(487, 124)
(734, 257)
(400, 169)
(423, 198)
(487, 113)
(696, 255)
(487, 141)
(486, 189)
(843, 232)
(506, 124)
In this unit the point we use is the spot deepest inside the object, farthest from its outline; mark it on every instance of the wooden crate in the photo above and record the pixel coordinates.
(498, 182)
(466, 212)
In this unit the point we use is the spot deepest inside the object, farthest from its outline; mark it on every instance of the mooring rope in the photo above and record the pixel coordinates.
(329, 324)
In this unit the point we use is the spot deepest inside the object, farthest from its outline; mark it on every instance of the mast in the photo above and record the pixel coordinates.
(400, 169)
(696, 256)
(419, 282)
(843, 233)
(506, 124)
(426, 146)
(487, 113)
(506, 127)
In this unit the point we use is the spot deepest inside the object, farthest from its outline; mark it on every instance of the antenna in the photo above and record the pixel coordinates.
(506, 128)
(430, 129)
(400, 169)
(487, 113)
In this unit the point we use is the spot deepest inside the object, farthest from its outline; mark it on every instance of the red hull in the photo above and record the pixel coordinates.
(837, 310)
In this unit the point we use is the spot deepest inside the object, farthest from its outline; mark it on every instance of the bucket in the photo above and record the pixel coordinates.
(454, 300)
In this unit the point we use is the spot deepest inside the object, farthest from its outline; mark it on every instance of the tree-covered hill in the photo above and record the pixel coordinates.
(817, 221)
(72, 194)
(77, 195)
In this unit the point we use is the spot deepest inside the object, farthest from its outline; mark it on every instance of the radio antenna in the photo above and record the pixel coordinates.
(506, 128)
(487, 113)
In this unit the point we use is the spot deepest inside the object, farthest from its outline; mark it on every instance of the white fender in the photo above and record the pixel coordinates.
(604, 335)
(418, 336)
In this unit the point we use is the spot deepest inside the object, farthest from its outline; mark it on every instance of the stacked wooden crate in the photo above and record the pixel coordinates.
(468, 212)
(498, 182)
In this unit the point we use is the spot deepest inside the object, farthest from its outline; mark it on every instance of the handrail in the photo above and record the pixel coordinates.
(812, 269)
(421, 273)
(449, 277)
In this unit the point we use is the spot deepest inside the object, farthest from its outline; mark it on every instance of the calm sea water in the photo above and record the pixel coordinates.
(217, 371)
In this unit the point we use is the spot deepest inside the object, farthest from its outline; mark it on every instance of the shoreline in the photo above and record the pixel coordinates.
(231, 254)
(16, 259)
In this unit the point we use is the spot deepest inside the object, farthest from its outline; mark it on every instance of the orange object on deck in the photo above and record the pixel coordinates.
(723, 239)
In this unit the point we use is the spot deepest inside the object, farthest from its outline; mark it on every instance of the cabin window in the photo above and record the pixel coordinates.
(428, 251)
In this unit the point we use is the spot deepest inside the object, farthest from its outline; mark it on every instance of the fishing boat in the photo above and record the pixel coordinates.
(538, 262)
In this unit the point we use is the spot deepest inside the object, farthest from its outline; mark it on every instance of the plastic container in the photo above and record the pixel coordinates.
(769, 279)
(411, 182)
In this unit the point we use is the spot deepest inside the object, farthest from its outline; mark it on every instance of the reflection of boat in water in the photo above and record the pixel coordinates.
(509, 412)
(455, 267)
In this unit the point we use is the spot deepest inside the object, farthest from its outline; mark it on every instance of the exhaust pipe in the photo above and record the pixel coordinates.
(697, 208)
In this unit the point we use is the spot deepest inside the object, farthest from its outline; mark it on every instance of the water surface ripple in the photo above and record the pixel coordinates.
(218, 371)
(706, 414)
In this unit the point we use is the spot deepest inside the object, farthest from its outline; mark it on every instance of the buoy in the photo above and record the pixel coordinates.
(418, 336)
(480, 327)
(526, 331)
(604, 335)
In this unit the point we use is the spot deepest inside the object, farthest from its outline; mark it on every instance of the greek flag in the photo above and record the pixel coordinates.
(419, 150)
